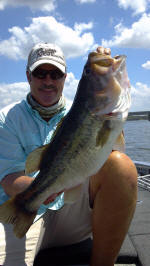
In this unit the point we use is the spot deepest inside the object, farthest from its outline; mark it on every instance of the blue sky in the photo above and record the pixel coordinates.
(78, 26)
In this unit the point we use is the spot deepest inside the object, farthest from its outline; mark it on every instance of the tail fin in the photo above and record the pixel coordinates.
(11, 213)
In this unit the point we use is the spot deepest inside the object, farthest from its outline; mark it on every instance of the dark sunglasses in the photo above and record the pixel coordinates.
(42, 73)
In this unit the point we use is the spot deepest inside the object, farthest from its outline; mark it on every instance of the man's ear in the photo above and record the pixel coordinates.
(65, 75)
(28, 74)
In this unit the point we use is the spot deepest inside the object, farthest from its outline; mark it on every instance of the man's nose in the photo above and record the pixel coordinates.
(48, 80)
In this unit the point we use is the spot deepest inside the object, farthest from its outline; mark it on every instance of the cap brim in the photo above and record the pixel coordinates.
(51, 62)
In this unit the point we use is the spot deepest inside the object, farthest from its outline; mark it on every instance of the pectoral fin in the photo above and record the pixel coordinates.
(34, 159)
(71, 195)
(103, 134)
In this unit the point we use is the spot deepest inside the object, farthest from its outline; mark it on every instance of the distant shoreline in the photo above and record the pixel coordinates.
(137, 117)
(143, 115)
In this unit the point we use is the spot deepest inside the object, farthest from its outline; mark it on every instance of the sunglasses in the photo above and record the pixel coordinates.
(42, 73)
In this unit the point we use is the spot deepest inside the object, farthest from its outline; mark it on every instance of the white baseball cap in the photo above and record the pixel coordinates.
(46, 53)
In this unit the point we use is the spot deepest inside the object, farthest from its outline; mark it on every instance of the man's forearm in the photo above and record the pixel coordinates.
(15, 183)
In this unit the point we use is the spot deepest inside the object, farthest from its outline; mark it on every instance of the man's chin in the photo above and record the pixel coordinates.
(49, 101)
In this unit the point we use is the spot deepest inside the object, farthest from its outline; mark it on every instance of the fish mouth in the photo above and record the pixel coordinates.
(108, 90)
(102, 64)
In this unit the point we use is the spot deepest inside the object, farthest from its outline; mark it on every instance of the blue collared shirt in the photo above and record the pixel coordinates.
(21, 131)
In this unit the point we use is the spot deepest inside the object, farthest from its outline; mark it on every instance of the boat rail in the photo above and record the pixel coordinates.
(144, 181)
(143, 169)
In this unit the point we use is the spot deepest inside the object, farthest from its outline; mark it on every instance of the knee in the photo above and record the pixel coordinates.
(118, 175)
(120, 167)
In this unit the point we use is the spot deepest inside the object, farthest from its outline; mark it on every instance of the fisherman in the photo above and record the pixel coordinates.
(107, 203)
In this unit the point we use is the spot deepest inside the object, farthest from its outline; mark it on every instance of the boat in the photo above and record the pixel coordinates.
(135, 250)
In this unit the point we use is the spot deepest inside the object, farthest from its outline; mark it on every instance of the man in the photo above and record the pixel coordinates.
(107, 203)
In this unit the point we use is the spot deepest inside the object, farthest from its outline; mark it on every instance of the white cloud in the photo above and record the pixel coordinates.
(85, 1)
(15, 92)
(138, 6)
(73, 41)
(140, 95)
(138, 36)
(44, 5)
(80, 27)
(70, 87)
(146, 65)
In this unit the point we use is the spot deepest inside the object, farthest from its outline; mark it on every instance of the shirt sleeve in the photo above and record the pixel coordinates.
(12, 155)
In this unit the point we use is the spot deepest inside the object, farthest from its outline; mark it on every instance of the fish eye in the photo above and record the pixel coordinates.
(117, 56)
(87, 70)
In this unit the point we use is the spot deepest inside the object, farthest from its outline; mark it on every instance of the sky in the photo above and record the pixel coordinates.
(78, 27)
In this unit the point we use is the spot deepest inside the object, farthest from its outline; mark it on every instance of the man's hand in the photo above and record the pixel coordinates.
(17, 182)
(102, 50)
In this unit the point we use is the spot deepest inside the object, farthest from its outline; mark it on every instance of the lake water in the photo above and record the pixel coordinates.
(137, 136)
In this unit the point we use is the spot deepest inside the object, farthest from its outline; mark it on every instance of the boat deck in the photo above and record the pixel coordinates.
(135, 250)
(136, 246)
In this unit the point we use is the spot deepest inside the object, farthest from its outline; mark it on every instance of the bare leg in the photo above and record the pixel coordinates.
(113, 193)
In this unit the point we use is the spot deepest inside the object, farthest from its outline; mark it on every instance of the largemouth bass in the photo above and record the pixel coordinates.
(81, 144)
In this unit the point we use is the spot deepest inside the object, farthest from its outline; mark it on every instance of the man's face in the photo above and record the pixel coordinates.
(46, 91)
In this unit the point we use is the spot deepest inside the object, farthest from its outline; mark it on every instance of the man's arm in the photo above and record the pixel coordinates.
(15, 183)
